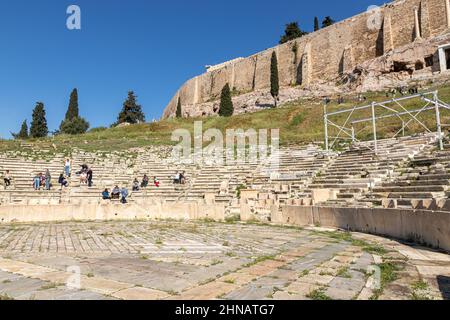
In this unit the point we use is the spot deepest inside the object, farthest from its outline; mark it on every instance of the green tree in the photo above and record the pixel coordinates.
(292, 32)
(179, 113)
(328, 21)
(72, 111)
(316, 24)
(131, 111)
(73, 123)
(38, 128)
(274, 80)
(226, 103)
(23, 133)
(74, 126)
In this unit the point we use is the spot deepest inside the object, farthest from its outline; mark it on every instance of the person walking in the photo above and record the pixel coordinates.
(62, 181)
(89, 174)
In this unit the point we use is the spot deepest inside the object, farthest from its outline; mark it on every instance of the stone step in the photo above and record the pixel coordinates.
(426, 188)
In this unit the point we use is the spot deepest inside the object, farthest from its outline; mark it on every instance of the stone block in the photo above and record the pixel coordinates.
(249, 194)
(322, 195)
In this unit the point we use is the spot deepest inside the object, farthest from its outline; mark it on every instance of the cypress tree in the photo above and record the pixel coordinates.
(226, 103)
(73, 123)
(179, 113)
(131, 111)
(23, 133)
(72, 111)
(316, 24)
(38, 128)
(274, 82)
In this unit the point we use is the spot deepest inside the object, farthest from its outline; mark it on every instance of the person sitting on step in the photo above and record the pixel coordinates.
(183, 177)
(145, 180)
(62, 180)
(105, 195)
(7, 178)
(83, 178)
(176, 178)
(115, 193)
(42, 176)
(124, 193)
(135, 185)
(156, 182)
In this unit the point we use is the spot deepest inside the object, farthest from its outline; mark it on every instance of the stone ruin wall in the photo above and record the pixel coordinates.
(323, 57)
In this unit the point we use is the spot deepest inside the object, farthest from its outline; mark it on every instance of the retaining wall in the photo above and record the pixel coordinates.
(431, 228)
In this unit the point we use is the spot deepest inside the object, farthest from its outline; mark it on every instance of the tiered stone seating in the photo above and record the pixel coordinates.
(356, 171)
(405, 169)
(23, 170)
(422, 183)
(153, 166)
(297, 167)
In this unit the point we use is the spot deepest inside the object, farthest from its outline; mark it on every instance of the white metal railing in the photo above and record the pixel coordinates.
(347, 129)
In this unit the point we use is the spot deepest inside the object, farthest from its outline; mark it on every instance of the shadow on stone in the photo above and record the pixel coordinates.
(444, 286)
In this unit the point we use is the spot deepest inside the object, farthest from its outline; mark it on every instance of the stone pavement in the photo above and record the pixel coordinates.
(203, 260)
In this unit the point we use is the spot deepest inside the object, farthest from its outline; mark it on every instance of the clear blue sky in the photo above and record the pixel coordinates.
(148, 46)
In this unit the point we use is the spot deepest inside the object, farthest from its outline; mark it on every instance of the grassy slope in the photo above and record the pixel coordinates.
(299, 122)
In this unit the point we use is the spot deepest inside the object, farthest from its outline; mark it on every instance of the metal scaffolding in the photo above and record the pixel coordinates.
(430, 100)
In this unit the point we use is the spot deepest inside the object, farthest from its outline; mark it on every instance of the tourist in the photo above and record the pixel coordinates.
(145, 181)
(89, 175)
(413, 90)
(392, 92)
(7, 178)
(156, 182)
(62, 181)
(37, 182)
(105, 195)
(84, 169)
(135, 185)
(83, 178)
(183, 177)
(67, 166)
(42, 182)
(124, 193)
(176, 178)
(48, 178)
(115, 193)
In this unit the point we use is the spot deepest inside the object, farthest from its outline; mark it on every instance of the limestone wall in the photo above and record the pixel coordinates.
(421, 226)
(321, 56)
(110, 211)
